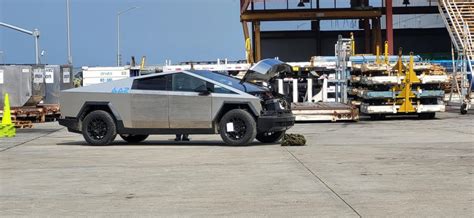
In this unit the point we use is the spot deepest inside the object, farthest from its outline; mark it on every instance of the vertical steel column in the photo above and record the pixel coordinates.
(377, 32)
(258, 49)
(367, 36)
(372, 35)
(280, 86)
(310, 89)
(316, 27)
(325, 89)
(295, 90)
(389, 25)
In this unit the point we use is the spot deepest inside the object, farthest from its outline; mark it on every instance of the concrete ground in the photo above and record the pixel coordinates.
(396, 167)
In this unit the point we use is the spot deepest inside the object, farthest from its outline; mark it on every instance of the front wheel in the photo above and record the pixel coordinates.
(238, 127)
(270, 137)
(98, 128)
(133, 138)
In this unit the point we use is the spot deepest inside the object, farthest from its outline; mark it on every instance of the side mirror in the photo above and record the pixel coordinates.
(203, 91)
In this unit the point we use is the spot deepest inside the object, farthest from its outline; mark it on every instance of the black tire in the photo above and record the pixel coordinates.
(464, 108)
(133, 138)
(98, 128)
(427, 116)
(244, 125)
(270, 137)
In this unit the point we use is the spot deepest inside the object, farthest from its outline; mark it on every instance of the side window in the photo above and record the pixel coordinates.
(151, 83)
(222, 90)
(185, 83)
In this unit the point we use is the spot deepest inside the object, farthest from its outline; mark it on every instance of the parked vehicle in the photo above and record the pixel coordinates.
(184, 102)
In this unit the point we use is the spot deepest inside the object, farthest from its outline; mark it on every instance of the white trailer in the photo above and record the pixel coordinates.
(96, 75)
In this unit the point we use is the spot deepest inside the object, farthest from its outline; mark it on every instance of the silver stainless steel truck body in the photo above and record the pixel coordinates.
(191, 102)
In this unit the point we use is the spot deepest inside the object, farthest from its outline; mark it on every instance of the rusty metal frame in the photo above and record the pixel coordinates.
(307, 14)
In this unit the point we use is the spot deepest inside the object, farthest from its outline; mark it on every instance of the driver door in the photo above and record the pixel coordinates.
(189, 105)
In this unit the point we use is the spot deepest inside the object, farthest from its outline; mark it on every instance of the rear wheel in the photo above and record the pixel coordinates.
(238, 127)
(133, 138)
(98, 128)
(270, 137)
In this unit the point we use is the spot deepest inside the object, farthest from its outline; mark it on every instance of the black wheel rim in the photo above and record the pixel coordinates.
(239, 129)
(268, 133)
(97, 129)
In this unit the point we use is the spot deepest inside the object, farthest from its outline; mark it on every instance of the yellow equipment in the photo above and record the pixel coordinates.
(377, 55)
(386, 52)
(406, 94)
(7, 129)
(142, 63)
(353, 47)
(248, 48)
(399, 67)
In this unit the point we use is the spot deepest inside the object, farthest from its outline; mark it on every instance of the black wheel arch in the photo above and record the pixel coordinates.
(90, 106)
(227, 106)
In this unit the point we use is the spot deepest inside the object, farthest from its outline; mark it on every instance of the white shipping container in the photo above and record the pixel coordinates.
(96, 75)
(96, 80)
(105, 72)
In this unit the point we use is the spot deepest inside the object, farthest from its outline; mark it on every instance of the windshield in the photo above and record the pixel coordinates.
(230, 81)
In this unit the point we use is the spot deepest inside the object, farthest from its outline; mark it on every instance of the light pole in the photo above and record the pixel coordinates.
(35, 33)
(68, 12)
(118, 33)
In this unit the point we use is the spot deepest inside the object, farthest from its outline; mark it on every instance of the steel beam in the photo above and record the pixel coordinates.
(389, 25)
(244, 4)
(327, 13)
(413, 10)
(308, 14)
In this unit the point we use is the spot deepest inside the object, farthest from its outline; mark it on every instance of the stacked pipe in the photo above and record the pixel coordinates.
(406, 87)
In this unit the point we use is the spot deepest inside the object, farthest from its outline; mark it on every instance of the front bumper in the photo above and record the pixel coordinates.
(71, 123)
(275, 123)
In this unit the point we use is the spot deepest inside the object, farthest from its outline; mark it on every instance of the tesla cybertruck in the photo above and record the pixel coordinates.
(184, 102)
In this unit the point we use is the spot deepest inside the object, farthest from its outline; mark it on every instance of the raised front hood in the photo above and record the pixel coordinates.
(265, 70)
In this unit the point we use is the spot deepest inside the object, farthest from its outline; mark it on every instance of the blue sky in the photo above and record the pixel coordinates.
(160, 29)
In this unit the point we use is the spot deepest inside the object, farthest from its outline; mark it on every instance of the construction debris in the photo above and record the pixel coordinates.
(293, 140)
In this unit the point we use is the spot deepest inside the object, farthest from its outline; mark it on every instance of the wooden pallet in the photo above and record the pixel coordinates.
(38, 114)
(23, 124)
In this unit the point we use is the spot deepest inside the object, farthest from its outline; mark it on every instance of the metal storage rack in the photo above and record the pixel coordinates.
(393, 88)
